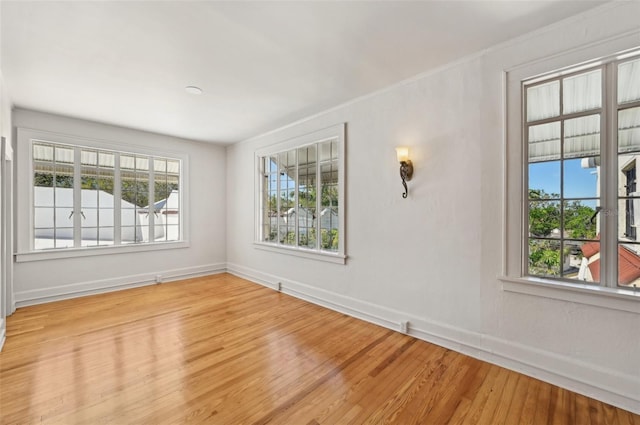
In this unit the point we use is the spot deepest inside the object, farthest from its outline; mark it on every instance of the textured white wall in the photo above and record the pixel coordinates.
(207, 214)
(434, 258)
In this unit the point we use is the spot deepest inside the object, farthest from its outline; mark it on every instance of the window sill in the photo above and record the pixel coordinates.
(616, 299)
(54, 254)
(304, 253)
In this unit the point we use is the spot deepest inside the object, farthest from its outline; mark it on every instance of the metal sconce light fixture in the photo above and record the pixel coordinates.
(406, 167)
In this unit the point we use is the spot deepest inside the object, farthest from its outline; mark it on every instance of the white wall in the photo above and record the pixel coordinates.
(434, 258)
(41, 281)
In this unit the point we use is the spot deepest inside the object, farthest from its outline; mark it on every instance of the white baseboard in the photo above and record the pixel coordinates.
(74, 290)
(3, 332)
(584, 378)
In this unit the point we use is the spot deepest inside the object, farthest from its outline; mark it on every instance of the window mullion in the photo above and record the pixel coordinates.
(77, 197)
(152, 197)
(318, 199)
(296, 203)
(117, 198)
(609, 183)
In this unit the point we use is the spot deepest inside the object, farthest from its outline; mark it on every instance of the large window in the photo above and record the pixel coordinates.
(581, 132)
(88, 196)
(300, 195)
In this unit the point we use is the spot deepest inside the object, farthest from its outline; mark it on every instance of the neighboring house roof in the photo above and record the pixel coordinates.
(628, 263)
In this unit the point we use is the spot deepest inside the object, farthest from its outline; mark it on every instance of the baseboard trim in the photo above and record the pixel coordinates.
(74, 290)
(593, 381)
(3, 332)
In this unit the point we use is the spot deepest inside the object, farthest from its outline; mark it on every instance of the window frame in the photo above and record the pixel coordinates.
(25, 206)
(513, 277)
(333, 132)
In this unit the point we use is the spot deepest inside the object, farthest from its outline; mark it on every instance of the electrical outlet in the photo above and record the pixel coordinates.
(158, 278)
(404, 326)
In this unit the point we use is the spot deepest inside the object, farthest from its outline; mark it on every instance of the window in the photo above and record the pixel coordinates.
(300, 199)
(581, 132)
(85, 195)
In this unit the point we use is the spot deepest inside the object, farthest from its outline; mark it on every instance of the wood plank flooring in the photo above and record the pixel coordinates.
(221, 350)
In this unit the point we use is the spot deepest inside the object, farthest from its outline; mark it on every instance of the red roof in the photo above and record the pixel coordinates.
(628, 263)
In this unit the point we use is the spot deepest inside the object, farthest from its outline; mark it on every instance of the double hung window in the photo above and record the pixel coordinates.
(300, 195)
(84, 196)
(581, 132)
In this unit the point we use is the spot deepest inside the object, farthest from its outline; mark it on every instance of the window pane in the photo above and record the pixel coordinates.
(64, 218)
(582, 136)
(106, 217)
(173, 232)
(629, 130)
(580, 219)
(543, 101)
(544, 219)
(89, 217)
(580, 181)
(43, 217)
(89, 236)
(544, 257)
(629, 81)
(325, 151)
(582, 261)
(329, 205)
(544, 142)
(544, 180)
(582, 92)
(629, 265)
(629, 219)
(306, 197)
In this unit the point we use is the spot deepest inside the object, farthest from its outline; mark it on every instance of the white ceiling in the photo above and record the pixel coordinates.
(261, 64)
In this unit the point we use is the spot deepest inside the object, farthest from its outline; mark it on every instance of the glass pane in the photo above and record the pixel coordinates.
(142, 163)
(105, 235)
(581, 261)
(629, 81)
(44, 238)
(64, 179)
(173, 167)
(544, 257)
(89, 157)
(580, 219)
(89, 196)
(89, 236)
(43, 217)
(329, 206)
(127, 162)
(43, 178)
(629, 130)
(627, 179)
(64, 155)
(106, 217)
(64, 238)
(160, 233)
(43, 196)
(42, 152)
(325, 151)
(106, 160)
(64, 218)
(173, 233)
(582, 92)
(544, 180)
(629, 265)
(544, 219)
(580, 181)
(582, 137)
(628, 219)
(130, 234)
(543, 101)
(544, 142)
(334, 149)
(89, 217)
(160, 165)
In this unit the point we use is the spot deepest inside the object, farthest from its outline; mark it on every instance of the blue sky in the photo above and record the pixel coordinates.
(578, 182)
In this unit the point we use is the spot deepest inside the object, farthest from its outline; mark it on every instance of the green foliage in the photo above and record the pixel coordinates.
(544, 258)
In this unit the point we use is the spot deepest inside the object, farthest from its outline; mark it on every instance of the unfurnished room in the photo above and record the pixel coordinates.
(320, 212)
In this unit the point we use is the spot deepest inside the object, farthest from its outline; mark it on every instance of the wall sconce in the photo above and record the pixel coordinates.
(406, 167)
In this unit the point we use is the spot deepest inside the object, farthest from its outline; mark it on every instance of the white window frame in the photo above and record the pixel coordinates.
(514, 179)
(25, 212)
(336, 132)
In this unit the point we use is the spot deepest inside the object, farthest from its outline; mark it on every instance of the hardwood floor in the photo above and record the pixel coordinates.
(221, 350)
